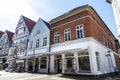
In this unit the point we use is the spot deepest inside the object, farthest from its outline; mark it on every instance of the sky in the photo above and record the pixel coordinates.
(11, 10)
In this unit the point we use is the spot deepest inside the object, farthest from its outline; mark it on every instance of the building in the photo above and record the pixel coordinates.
(81, 43)
(5, 44)
(1, 33)
(116, 10)
(11, 58)
(20, 39)
(37, 58)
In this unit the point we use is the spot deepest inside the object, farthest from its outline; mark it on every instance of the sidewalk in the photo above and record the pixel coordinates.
(37, 76)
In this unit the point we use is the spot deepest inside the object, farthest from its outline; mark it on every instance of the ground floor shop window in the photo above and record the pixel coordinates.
(30, 65)
(43, 62)
(84, 63)
(98, 60)
(69, 62)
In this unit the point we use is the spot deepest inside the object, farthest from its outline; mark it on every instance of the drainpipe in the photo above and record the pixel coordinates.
(49, 55)
(25, 60)
(33, 66)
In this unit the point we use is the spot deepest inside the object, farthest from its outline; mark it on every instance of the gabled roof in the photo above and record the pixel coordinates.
(10, 35)
(46, 23)
(1, 33)
(29, 23)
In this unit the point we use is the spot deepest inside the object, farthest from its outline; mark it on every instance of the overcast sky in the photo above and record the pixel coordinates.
(11, 10)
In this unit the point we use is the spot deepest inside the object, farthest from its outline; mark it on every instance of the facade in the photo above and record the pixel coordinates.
(1, 33)
(116, 10)
(11, 58)
(81, 43)
(37, 58)
(5, 44)
(77, 42)
(20, 39)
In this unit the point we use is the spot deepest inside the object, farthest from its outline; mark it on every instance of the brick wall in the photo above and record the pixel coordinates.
(93, 27)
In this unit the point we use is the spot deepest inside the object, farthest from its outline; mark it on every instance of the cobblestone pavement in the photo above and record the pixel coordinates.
(29, 76)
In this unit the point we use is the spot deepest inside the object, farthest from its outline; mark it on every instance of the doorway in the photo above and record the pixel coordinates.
(58, 63)
(59, 67)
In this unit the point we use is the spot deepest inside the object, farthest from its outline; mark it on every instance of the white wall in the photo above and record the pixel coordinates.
(93, 46)
(44, 32)
(104, 65)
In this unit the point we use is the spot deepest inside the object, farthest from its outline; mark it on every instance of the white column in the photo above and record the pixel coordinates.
(76, 65)
(52, 65)
(63, 63)
(93, 62)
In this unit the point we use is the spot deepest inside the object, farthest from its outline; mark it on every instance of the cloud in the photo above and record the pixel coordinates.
(10, 11)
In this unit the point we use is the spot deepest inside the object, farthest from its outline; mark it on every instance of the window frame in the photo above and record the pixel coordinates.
(57, 34)
(43, 64)
(81, 27)
(37, 43)
(67, 34)
(44, 41)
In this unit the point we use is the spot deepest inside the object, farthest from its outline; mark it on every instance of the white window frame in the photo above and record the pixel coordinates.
(81, 27)
(37, 43)
(44, 41)
(67, 34)
(31, 44)
(57, 34)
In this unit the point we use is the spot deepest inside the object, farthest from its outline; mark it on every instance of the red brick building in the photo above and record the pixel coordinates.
(79, 31)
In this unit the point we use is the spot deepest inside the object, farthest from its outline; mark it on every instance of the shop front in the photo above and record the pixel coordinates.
(70, 62)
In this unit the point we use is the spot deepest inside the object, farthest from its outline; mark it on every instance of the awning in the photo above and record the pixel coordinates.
(19, 61)
(35, 55)
(69, 51)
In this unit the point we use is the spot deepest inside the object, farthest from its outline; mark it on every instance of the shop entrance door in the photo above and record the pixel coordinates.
(59, 65)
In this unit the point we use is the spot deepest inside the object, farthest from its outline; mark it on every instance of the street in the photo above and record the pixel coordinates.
(29, 76)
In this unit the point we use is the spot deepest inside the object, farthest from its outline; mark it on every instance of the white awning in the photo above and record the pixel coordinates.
(69, 51)
(19, 61)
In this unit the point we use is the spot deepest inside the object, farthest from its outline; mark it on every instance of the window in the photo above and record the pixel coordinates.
(66, 20)
(45, 41)
(79, 31)
(37, 43)
(31, 43)
(67, 34)
(98, 60)
(56, 37)
(38, 31)
(43, 62)
(78, 16)
(56, 24)
(69, 62)
(84, 63)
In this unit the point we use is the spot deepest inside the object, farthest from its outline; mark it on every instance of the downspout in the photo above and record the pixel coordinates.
(49, 52)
